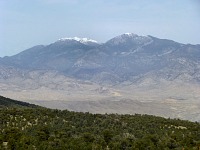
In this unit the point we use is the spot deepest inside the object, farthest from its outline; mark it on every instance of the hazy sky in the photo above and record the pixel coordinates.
(26, 23)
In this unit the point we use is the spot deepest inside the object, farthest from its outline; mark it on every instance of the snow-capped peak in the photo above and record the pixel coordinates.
(81, 40)
(126, 35)
(130, 34)
(130, 37)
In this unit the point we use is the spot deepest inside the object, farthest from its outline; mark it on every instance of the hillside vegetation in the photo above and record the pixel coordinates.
(41, 128)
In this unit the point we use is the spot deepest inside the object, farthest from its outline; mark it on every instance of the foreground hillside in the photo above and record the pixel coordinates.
(41, 128)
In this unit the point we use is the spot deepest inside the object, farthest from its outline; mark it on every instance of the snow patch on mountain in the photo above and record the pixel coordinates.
(130, 37)
(81, 40)
(130, 34)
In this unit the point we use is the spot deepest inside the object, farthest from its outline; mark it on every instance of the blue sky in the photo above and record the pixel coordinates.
(26, 23)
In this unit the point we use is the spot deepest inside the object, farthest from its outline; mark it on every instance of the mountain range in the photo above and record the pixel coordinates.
(127, 74)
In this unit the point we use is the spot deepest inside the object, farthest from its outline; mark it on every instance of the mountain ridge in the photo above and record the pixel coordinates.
(118, 52)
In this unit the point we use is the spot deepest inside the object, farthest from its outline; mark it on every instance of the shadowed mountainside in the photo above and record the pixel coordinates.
(9, 103)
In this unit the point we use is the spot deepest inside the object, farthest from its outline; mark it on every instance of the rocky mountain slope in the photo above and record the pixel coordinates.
(126, 74)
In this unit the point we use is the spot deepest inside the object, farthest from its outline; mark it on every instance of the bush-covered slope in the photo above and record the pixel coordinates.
(40, 128)
(7, 102)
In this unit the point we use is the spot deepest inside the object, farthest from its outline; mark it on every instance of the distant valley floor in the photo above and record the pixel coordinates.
(174, 100)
